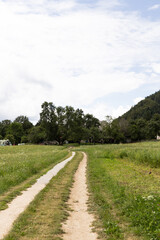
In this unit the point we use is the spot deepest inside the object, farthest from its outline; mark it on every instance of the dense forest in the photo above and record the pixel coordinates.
(142, 122)
(58, 125)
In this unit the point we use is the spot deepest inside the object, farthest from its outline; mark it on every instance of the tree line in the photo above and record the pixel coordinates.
(55, 124)
(66, 124)
(132, 130)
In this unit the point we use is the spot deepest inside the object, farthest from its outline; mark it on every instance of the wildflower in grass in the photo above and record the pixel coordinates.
(150, 197)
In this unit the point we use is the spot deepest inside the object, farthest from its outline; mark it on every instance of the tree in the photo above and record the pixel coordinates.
(141, 128)
(11, 138)
(48, 120)
(24, 139)
(133, 131)
(124, 127)
(95, 135)
(4, 126)
(106, 127)
(91, 128)
(61, 132)
(90, 121)
(69, 123)
(152, 129)
(116, 132)
(16, 130)
(26, 124)
(78, 126)
(37, 135)
(74, 124)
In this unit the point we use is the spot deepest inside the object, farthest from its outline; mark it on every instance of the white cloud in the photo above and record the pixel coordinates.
(120, 111)
(109, 4)
(156, 68)
(154, 7)
(38, 6)
(61, 51)
(101, 110)
(137, 100)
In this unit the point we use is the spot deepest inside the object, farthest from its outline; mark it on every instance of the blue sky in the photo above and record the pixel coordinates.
(100, 55)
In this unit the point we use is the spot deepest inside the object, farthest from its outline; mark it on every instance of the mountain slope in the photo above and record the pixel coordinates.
(144, 109)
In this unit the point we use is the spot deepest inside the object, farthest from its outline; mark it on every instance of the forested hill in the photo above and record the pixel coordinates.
(145, 109)
(141, 122)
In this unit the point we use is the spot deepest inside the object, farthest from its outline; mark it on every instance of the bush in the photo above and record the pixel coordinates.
(11, 138)
(24, 139)
(123, 154)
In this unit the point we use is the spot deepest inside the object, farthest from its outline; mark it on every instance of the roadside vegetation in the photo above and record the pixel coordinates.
(20, 166)
(44, 216)
(124, 190)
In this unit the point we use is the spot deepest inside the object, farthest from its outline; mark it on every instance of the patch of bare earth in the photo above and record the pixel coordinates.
(78, 226)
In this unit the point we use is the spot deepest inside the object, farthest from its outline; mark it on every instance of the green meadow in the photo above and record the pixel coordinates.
(124, 189)
(123, 183)
(20, 166)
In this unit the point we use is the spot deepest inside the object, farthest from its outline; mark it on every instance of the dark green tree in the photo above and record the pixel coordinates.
(48, 120)
(4, 126)
(69, 123)
(11, 138)
(106, 127)
(152, 129)
(90, 121)
(16, 130)
(133, 131)
(37, 135)
(61, 122)
(141, 127)
(26, 124)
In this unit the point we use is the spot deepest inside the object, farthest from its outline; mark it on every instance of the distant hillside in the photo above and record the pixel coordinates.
(144, 109)
(141, 122)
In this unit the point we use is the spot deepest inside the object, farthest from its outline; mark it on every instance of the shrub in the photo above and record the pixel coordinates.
(11, 138)
(123, 154)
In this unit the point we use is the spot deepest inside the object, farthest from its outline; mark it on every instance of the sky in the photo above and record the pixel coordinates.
(102, 56)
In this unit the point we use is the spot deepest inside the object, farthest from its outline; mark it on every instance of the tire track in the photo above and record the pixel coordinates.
(78, 225)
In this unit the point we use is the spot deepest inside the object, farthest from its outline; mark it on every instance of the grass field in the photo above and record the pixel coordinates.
(125, 192)
(123, 182)
(20, 166)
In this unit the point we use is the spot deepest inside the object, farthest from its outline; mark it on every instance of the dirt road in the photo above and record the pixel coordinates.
(78, 225)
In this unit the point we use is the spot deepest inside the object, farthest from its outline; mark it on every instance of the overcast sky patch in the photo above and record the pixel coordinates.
(74, 53)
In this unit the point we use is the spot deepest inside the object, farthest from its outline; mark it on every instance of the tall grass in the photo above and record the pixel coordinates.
(18, 163)
(146, 153)
(147, 156)
(118, 176)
